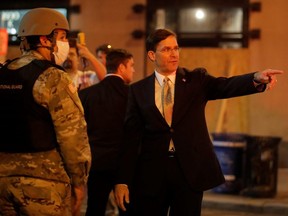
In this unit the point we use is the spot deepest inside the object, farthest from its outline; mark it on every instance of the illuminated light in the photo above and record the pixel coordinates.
(199, 14)
(13, 31)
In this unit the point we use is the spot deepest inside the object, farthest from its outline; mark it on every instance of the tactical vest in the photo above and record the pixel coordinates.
(25, 126)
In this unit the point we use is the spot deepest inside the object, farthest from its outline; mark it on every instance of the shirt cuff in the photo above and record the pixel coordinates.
(259, 86)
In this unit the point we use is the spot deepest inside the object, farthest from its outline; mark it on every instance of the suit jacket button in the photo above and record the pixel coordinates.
(171, 130)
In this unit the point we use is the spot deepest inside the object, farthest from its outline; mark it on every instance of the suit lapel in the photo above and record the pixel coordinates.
(183, 95)
(151, 97)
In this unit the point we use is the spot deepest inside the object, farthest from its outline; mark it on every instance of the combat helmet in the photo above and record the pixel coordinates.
(42, 21)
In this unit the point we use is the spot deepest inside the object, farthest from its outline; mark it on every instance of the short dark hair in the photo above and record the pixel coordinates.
(157, 36)
(33, 42)
(104, 48)
(115, 57)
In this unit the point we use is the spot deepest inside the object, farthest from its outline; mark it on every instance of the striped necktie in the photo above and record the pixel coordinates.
(167, 105)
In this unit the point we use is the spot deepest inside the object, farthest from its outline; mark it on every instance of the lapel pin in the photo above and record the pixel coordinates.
(184, 80)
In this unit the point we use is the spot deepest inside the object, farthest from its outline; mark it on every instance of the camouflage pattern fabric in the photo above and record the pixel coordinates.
(70, 162)
(34, 197)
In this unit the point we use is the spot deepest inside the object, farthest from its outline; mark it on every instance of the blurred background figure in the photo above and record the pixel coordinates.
(102, 51)
(101, 54)
(105, 106)
(82, 66)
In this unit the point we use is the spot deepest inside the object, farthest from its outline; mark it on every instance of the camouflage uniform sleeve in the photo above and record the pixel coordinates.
(55, 91)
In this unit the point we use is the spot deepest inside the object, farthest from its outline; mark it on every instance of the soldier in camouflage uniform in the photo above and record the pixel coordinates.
(44, 152)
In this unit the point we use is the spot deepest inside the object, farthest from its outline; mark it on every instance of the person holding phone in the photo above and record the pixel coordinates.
(77, 65)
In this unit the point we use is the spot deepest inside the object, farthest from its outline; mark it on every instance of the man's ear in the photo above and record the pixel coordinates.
(122, 68)
(151, 55)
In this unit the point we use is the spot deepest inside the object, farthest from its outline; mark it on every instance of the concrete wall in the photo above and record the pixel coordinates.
(269, 111)
(113, 21)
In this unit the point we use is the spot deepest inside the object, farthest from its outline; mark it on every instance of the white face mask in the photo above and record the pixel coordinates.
(62, 53)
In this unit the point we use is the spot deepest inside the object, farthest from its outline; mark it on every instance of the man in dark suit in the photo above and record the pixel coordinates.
(104, 106)
(167, 165)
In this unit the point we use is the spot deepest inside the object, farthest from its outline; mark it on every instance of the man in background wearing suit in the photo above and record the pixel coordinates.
(104, 106)
(168, 159)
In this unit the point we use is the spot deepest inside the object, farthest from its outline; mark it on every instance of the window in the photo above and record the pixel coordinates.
(216, 23)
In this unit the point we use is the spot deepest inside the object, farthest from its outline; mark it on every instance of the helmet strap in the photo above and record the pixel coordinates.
(53, 44)
(24, 45)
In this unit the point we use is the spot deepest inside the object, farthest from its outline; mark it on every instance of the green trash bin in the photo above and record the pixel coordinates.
(261, 166)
